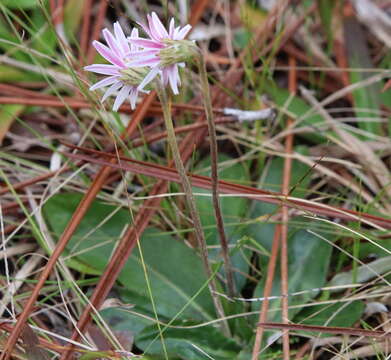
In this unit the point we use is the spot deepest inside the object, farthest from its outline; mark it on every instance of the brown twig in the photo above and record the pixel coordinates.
(45, 101)
(67, 234)
(84, 31)
(327, 329)
(266, 292)
(100, 17)
(285, 216)
(169, 174)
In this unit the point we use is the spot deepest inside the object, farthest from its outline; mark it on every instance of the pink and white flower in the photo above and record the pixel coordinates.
(119, 54)
(161, 51)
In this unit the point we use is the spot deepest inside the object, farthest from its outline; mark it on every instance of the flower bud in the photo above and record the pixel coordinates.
(177, 51)
(133, 76)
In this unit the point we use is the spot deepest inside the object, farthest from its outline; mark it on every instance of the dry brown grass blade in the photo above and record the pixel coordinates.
(34, 180)
(41, 342)
(267, 292)
(387, 86)
(99, 181)
(100, 17)
(285, 215)
(148, 139)
(327, 329)
(29, 97)
(85, 26)
(30, 344)
(169, 174)
(360, 149)
(78, 104)
(280, 236)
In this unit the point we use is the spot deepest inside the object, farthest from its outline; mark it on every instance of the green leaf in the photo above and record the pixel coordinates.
(175, 272)
(325, 9)
(47, 40)
(11, 42)
(379, 248)
(359, 57)
(233, 210)
(9, 74)
(343, 314)
(305, 251)
(363, 273)
(298, 108)
(308, 262)
(73, 13)
(21, 4)
(189, 344)
(241, 38)
(8, 113)
(300, 178)
(92, 243)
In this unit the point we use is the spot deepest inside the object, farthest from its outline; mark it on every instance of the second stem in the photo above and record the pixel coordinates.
(187, 188)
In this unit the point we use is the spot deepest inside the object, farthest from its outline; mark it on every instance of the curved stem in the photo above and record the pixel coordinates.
(214, 174)
(187, 188)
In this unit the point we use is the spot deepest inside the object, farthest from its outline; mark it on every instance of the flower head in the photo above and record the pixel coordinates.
(163, 51)
(120, 77)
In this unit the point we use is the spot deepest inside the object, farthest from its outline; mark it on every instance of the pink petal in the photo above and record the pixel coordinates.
(176, 70)
(105, 82)
(133, 97)
(134, 35)
(122, 95)
(103, 69)
(164, 75)
(145, 61)
(108, 54)
(183, 32)
(173, 77)
(176, 31)
(121, 38)
(158, 27)
(146, 43)
(172, 28)
(111, 90)
(143, 53)
(151, 75)
(112, 42)
(146, 29)
(153, 34)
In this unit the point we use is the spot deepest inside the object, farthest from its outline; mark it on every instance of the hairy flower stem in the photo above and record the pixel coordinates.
(214, 173)
(166, 106)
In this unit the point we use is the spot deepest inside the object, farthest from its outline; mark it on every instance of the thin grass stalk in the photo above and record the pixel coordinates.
(97, 28)
(266, 292)
(78, 215)
(187, 188)
(214, 174)
(285, 219)
(84, 31)
(47, 270)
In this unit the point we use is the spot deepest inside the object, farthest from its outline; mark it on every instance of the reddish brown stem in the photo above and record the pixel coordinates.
(97, 28)
(285, 216)
(266, 292)
(169, 174)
